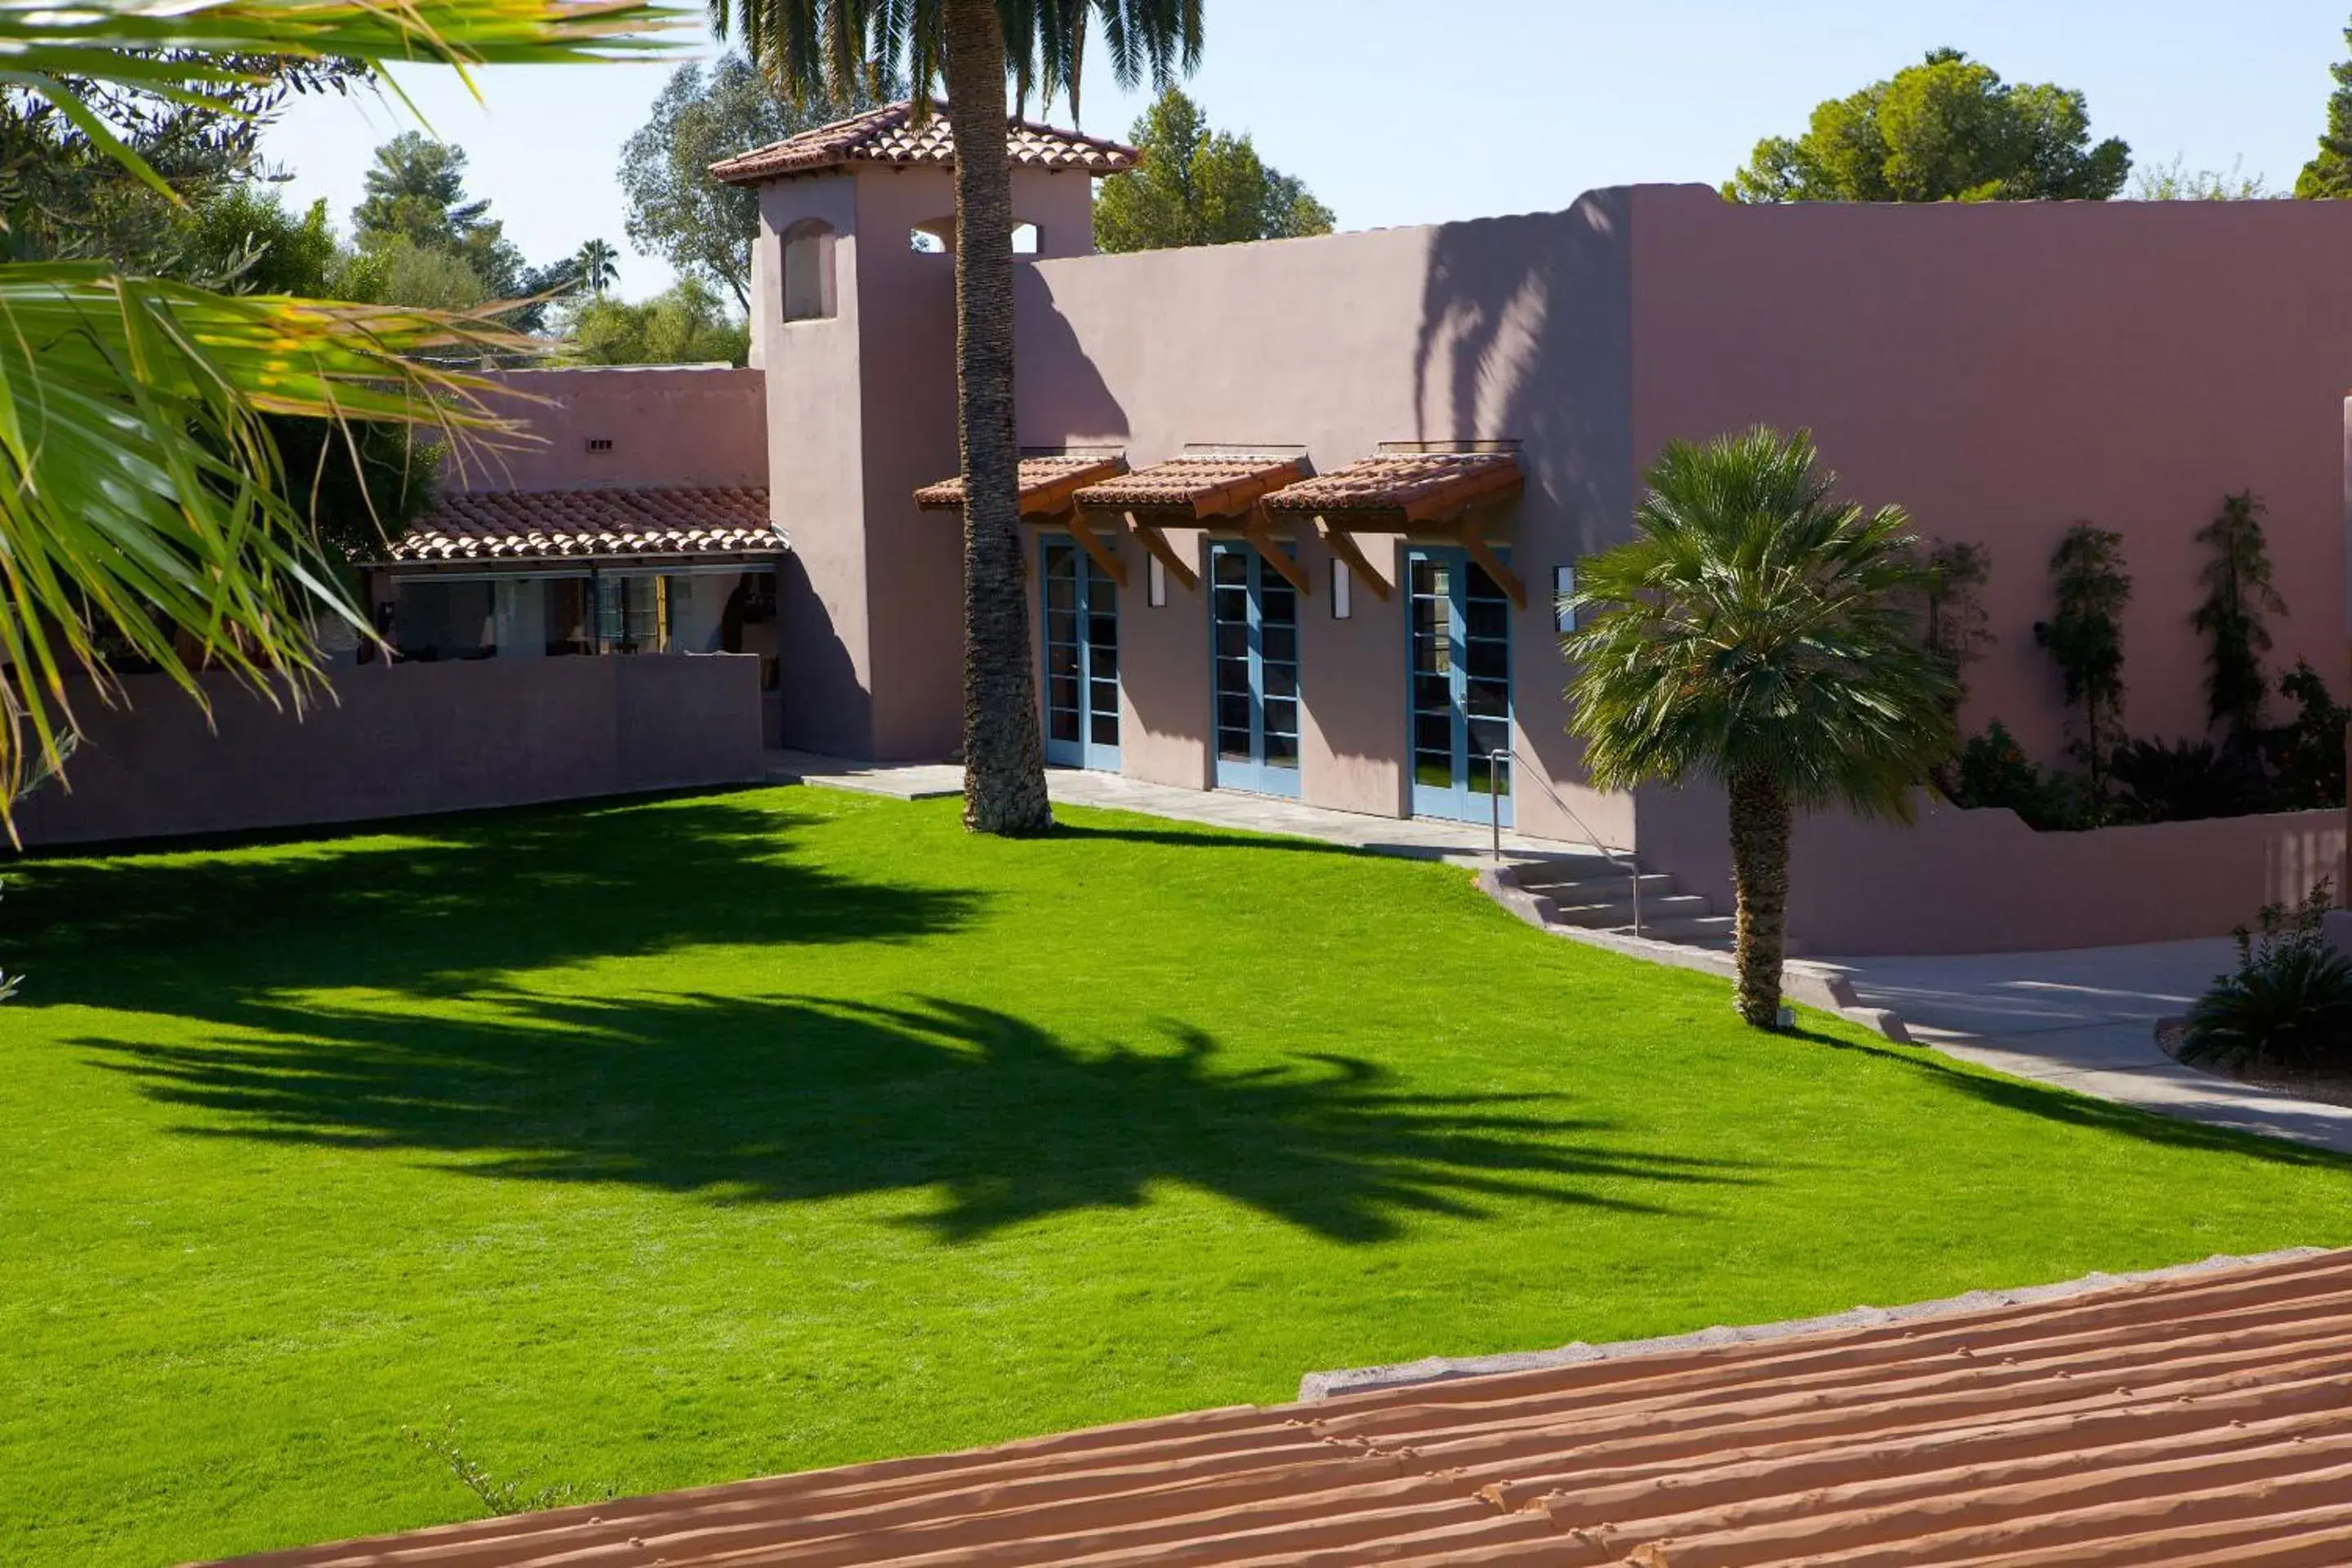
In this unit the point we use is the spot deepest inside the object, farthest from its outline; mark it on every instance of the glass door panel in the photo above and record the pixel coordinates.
(1253, 653)
(1460, 687)
(1081, 615)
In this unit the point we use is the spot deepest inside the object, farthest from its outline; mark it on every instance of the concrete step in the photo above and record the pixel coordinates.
(1693, 931)
(1551, 877)
(1619, 910)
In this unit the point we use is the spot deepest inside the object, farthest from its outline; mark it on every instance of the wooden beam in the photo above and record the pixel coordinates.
(1113, 567)
(1259, 531)
(1343, 545)
(1157, 543)
(1484, 554)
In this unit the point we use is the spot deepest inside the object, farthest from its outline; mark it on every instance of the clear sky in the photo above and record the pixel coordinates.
(1403, 113)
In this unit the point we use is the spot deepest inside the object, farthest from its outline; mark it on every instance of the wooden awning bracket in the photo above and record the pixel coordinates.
(1343, 545)
(1157, 543)
(1113, 567)
(1259, 531)
(1475, 543)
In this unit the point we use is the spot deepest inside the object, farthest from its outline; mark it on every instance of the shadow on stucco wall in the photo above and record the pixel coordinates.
(1071, 399)
(1525, 334)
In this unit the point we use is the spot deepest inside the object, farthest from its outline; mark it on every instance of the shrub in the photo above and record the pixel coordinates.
(2288, 1004)
(2187, 781)
(1995, 771)
(2306, 753)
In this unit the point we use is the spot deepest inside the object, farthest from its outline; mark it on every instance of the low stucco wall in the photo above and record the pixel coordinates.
(1982, 882)
(401, 740)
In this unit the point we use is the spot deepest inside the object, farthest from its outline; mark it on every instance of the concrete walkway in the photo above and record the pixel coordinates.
(1415, 837)
(2085, 1020)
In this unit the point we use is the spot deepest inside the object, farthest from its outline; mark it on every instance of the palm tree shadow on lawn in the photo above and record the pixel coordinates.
(444, 906)
(783, 1099)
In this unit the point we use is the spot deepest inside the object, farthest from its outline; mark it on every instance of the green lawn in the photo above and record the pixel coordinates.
(701, 1138)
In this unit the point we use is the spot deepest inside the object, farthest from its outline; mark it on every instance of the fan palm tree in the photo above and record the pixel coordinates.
(827, 49)
(141, 494)
(597, 266)
(1761, 634)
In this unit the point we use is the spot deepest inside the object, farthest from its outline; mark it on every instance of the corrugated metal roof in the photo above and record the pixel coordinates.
(2188, 1421)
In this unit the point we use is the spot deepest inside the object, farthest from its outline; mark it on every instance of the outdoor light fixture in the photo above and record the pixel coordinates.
(1343, 607)
(1563, 588)
(1155, 583)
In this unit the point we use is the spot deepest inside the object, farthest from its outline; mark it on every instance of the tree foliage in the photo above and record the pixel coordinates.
(2085, 639)
(676, 211)
(2329, 175)
(1948, 129)
(1199, 185)
(144, 498)
(2238, 593)
(1760, 634)
(688, 324)
(2177, 182)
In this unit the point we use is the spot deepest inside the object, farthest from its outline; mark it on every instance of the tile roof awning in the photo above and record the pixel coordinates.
(890, 137)
(2188, 1419)
(491, 527)
(1400, 489)
(1197, 490)
(1046, 483)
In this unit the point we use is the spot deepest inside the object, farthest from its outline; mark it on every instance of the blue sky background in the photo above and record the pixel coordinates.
(1404, 113)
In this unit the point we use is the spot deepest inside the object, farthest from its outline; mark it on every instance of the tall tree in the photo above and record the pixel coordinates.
(2086, 639)
(1200, 186)
(2329, 175)
(141, 494)
(687, 323)
(1760, 634)
(821, 49)
(415, 193)
(2238, 593)
(702, 227)
(1946, 129)
(596, 267)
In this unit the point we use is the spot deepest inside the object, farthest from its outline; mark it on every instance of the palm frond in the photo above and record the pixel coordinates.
(1754, 621)
(143, 498)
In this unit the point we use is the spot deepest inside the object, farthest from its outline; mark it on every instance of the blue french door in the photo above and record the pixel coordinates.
(1460, 687)
(1254, 632)
(1081, 659)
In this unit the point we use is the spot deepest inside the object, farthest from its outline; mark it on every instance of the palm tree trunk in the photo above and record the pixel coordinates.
(1004, 755)
(1760, 823)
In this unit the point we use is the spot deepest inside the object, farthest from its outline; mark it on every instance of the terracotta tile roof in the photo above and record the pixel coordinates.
(1223, 485)
(1046, 483)
(889, 135)
(2187, 1420)
(1404, 486)
(522, 525)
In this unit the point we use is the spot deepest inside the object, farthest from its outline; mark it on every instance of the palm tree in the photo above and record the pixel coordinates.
(141, 493)
(827, 49)
(1761, 634)
(597, 267)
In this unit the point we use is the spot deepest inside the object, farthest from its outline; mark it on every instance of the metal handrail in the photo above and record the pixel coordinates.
(1633, 868)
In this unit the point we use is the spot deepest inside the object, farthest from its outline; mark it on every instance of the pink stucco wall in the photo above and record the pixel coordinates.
(2006, 370)
(1982, 882)
(400, 740)
(1509, 328)
(692, 426)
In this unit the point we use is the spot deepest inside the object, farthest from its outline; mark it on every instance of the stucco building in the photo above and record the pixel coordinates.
(2003, 370)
